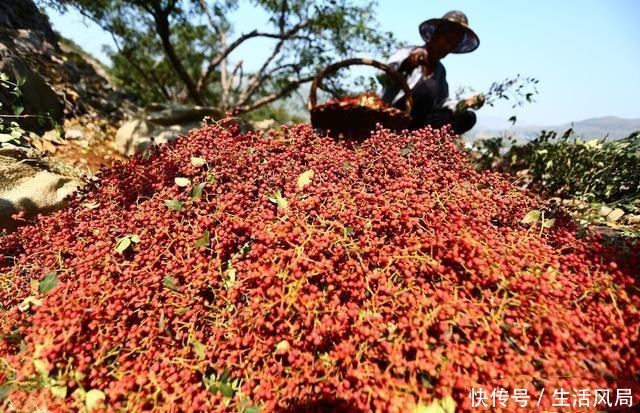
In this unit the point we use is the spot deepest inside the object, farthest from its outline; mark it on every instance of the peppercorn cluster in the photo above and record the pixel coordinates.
(283, 271)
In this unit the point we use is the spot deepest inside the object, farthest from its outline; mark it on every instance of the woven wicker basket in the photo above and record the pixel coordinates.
(355, 119)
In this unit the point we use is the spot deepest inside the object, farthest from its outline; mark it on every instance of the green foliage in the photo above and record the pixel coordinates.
(171, 283)
(13, 89)
(12, 112)
(223, 384)
(174, 205)
(518, 90)
(125, 242)
(204, 240)
(48, 283)
(569, 167)
(140, 67)
(11, 134)
(183, 50)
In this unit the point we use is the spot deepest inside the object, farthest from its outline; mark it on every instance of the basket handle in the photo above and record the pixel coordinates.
(367, 62)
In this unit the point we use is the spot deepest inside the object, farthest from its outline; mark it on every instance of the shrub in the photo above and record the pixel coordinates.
(569, 167)
(287, 272)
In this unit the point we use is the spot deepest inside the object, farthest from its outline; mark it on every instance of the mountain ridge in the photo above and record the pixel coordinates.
(611, 127)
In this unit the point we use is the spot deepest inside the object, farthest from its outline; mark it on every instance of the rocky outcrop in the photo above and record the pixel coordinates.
(24, 15)
(160, 124)
(58, 78)
(58, 82)
(36, 98)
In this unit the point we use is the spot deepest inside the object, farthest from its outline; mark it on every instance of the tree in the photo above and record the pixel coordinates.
(184, 50)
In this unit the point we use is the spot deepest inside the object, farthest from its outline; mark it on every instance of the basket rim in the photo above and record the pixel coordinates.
(312, 102)
(337, 106)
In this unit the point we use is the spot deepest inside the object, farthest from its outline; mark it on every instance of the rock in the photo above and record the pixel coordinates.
(605, 231)
(264, 124)
(37, 96)
(604, 211)
(136, 136)
(30, 185)
(171, 114)
(633, 219)
(575, 203)
(171, 133)
(132, 135)
(73, 134)
(22, 14)
(615, 215)
(76, 84)
(160, 123)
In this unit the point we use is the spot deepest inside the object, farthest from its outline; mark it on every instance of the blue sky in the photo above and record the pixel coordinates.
(586, 54)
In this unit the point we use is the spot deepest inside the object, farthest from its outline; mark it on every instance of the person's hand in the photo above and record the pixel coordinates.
(418, 57)
(475, 102)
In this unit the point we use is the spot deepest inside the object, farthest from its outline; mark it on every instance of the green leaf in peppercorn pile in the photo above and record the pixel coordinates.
(174, 204)
(48, 283)
(171, 283)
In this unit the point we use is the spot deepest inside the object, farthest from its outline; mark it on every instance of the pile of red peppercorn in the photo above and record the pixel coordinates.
(283, 271)
(370, 100)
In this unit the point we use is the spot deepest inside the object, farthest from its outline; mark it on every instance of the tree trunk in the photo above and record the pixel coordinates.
(162, 27)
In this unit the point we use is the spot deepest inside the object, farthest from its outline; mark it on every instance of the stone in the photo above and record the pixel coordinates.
(76, 84)
(265, 124)
(25, 14)
(73, 134)
(160, 123)
(133, 136)
(575, 203)
(633, 219)
(173, 114)
(38, 97)
(136, 135)
(604, 211)
(615, 215)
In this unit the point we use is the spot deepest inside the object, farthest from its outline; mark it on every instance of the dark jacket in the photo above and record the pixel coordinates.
(429, 93)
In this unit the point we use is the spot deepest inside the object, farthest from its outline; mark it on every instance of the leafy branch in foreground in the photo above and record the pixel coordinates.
(595, 170)
(11, 133)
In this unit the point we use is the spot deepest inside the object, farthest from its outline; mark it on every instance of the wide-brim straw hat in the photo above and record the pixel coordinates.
(469, 41)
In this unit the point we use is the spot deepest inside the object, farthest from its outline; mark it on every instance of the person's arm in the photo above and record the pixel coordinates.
(399, 56)
(473, 102)
(404, 61)
(390, 89)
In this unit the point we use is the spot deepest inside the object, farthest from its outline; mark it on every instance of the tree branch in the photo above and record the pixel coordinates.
(274, 96)
(207, 12)
(283, 13)
(164, 32)
(144, 6)
(150, 78)
(170, 6)
(294, 66)
(225, 81)
(258, 78)
(234, 73)
(215, 61)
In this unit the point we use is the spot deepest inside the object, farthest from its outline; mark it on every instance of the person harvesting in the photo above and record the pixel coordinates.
(426, 76)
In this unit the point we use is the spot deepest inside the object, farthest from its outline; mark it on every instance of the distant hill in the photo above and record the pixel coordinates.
(611, 126)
